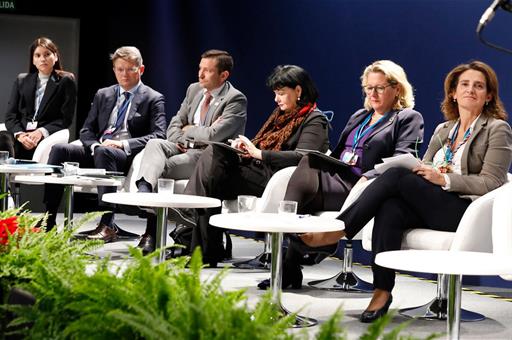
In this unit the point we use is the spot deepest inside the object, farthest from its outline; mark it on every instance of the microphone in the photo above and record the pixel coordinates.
(488, 15)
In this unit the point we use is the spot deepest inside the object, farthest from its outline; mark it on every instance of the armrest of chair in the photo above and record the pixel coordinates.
(474, 232)
(502, 224)
(133, 173)
(42, 151)
(275, 190)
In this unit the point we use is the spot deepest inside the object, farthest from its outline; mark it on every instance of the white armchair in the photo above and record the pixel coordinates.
(268, 202)
(474, 233)
(43, 149)
(502, 224)
(41, 154)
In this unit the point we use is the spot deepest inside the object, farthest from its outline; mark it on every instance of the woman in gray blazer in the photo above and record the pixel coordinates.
(468, 156)
(387, 126)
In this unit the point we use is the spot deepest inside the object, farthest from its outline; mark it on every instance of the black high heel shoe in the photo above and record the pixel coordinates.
(296, 242)
(370, 316)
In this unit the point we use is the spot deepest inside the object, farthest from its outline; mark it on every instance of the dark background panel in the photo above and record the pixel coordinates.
(333, 39)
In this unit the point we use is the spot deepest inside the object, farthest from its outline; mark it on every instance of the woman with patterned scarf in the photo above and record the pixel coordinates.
(385, 127)
(224, 174)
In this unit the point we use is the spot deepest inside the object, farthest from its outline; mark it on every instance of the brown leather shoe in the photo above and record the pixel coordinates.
(104, 233)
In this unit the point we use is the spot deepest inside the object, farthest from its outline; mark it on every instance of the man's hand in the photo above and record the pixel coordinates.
(113, 144)
(186, 127)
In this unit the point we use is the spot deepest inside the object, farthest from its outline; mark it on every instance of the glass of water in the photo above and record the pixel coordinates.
(4, 155)
(246, 203)
(166, 185)
(287, 207)
(70, 168)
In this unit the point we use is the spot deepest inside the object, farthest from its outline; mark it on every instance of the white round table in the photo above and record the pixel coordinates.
(69, 182)
(161, 202)
(11, 169)
(277, 224)
(454, 264)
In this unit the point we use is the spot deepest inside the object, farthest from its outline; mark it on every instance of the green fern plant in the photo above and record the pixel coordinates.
(80, 299)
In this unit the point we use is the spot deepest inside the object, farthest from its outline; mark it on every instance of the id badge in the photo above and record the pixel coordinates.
(31, 126)
(349, 158)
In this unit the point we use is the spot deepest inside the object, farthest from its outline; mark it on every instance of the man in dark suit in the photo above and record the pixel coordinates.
(213, 110)
(122, 119)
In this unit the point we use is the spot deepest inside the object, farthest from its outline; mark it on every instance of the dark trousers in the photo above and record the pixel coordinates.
(221, 174)
(401, 200)
(108, 158)
(315, 189)
(15, 148)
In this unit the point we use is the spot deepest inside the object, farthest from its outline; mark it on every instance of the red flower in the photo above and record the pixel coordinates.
(8, 227)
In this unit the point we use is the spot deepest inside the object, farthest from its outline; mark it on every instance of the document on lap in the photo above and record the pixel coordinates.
(405, 160)
(337, 165)
(224, 145)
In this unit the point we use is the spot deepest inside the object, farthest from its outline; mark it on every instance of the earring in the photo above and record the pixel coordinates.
(486, 102)
(454, 100)
(298, 98)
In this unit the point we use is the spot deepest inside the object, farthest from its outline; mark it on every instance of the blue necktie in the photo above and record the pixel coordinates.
(121, 113)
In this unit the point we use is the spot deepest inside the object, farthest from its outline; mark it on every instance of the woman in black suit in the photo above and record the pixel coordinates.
(42, 101)
(387, 126)
(295, 123)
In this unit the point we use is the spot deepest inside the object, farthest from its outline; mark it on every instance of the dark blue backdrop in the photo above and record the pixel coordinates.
(333, 39)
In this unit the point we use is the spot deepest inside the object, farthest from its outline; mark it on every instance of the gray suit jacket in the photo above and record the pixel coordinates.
(485, 160)
(225, 119)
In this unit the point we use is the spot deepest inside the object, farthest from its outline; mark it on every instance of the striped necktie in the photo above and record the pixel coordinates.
(121, 113)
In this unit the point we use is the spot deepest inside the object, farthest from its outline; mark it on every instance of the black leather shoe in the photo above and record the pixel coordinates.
(292, 278)
(370, 316)
(147, 244)
(174, 252)
(183, 216)
(296, 242)
(104, 233)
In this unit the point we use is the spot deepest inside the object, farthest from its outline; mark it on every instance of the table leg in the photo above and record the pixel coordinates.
(454, 298)
(276, 283)
(161, 231)
(3, 188)
(68, 206)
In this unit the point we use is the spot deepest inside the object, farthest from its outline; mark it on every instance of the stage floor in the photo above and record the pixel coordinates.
(319, 304)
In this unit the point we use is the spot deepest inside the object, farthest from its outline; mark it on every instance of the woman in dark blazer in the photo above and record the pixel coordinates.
(295, 123)
(42, 101)
(468, 156)
(387, 126)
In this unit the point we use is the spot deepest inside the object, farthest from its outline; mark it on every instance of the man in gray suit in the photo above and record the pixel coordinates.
(213, 110)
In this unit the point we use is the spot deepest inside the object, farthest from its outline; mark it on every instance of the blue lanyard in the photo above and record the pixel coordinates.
(450, 150)
(361, 131)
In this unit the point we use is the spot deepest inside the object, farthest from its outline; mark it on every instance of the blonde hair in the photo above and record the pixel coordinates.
(395, 75)
(129, 53)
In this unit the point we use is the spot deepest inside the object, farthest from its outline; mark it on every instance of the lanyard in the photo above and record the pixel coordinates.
(451, 149)
(361, 131)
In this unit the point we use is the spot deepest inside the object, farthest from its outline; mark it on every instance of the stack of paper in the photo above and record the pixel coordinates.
(405, 160)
